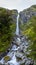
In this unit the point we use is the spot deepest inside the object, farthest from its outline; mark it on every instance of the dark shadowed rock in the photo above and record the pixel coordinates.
(26, 14)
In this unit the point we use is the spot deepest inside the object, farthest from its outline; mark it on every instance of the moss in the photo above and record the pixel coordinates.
(6, 58)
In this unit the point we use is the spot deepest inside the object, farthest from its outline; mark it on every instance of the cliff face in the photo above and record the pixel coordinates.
(26, 14)
(7, 27)
(14, 14)
(28, 28)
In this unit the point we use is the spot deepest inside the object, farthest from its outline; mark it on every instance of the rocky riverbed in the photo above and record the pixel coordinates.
(17, 54)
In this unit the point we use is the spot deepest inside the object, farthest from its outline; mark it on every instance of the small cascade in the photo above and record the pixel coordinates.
(16, 52)
(13, 60)
(17, 25)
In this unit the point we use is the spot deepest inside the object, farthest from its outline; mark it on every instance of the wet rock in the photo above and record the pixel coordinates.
(6, 64)
(21, 48)
(3, 54)
(2, 64)
(18, 43)
(22, 64)
(29, 62)
(13, 42)
(6, 58)
(19, 55)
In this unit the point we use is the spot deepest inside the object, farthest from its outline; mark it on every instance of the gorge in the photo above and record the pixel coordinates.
(17, 52)
(17, 55)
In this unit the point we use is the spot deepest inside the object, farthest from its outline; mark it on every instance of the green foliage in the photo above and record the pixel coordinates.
(7, 29)
(30, 31)
(32, 8)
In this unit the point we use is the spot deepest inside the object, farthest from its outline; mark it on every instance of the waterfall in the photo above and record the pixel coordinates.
(17, 25)
(15, 52)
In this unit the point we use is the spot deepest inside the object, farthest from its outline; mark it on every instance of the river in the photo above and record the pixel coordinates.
(18, 51)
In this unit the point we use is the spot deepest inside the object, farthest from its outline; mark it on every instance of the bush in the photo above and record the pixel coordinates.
(7, 29)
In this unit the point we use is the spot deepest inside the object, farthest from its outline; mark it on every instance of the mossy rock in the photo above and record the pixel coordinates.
(18, 59)
(7, 58)
(22, 64)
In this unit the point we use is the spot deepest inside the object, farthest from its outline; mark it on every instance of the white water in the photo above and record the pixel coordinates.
(13, 60)
(14, 48)
(11, 54)
(17, 26)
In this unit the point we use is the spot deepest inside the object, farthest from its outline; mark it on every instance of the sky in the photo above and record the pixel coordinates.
(17, 4)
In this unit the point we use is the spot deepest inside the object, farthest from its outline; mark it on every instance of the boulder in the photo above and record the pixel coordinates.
(29, 62)
(7, 58)
(19, 55)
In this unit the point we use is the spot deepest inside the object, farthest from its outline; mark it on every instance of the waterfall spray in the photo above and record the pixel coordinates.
(17, 25)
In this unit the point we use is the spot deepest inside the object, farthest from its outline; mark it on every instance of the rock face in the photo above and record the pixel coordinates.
(26, 14)
(14, 14)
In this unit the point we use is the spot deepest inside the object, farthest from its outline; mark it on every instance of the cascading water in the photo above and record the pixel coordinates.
(12, 53)
(13, 60)
(17, 26)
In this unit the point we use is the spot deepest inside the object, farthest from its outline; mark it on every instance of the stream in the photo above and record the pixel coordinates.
(18, 51)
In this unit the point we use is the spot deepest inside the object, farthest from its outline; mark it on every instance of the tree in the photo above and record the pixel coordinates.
(31, 33)
(7, 28)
